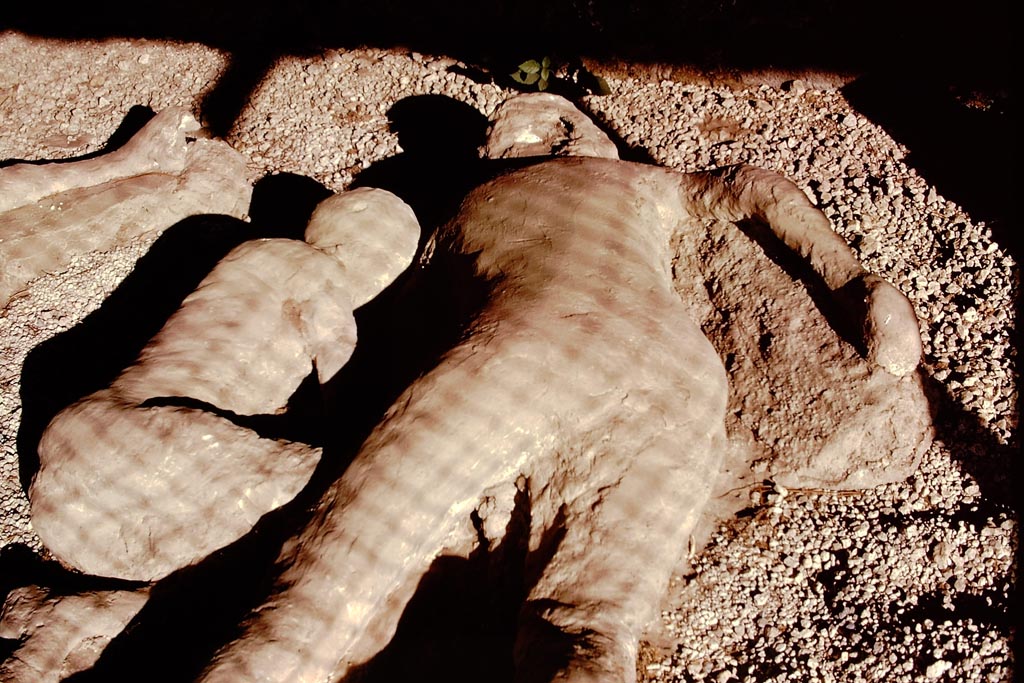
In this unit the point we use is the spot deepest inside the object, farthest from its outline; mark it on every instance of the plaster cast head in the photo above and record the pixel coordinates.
(542, 124)
(372, 232)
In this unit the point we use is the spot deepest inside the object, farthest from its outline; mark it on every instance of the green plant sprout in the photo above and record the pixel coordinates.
(532, 72)
(542, 75)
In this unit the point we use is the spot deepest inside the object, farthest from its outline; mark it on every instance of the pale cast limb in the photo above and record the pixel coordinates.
(134, 483)
(50, 213)
(891, 335)
(59, 635)
(159, 147)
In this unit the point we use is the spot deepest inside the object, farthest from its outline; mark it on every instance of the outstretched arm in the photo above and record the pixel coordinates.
(158, 148)
(890, 331)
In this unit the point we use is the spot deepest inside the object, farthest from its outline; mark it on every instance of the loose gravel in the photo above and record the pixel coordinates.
(906, 582)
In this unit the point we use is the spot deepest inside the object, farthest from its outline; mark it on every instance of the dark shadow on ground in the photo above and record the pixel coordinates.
(956, 42)
(961, 140)
(438, 165)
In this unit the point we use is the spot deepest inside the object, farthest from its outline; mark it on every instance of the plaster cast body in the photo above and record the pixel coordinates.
(583, 379)
(134, 485)
(581, 382)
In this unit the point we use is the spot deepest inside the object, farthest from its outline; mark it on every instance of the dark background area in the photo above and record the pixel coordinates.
(969, 39)
(936, 76)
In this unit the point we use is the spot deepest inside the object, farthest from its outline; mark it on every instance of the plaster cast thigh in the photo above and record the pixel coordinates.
(136, 493)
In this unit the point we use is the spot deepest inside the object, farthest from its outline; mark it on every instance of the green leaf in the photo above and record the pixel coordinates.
(543, 85)
(530, 66)
(546, 62)
(531, 79)
(517, 77)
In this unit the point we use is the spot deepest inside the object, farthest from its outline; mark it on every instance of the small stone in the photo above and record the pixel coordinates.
(937, 668)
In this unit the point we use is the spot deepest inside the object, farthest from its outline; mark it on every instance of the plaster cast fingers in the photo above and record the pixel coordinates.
(891, 337)
(159, 147)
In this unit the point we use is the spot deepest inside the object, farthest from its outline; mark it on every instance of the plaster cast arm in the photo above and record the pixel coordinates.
(890, 330)
(159, 147)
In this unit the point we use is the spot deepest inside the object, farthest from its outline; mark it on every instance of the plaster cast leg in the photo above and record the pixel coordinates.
(891, 335)
(621, 542)
(137, 492)
(60, 635)
(349, 575)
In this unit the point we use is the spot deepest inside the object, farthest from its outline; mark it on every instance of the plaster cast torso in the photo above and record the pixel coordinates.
(581, 373)
(579, 282)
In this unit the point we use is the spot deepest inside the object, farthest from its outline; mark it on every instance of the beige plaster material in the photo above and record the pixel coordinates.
(60, 635)
(49, 213)
(135, 483)
(584, 384)
(589, 384)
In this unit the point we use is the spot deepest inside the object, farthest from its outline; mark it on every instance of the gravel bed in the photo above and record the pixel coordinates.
(907, 582)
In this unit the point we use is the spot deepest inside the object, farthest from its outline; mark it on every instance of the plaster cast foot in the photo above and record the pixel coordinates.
(160, 146)
(59, 635)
